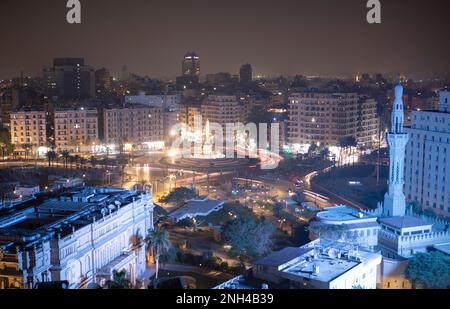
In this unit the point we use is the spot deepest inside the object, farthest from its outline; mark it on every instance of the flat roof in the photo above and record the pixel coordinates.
(328, 268)
(444, 248)
(196, 208)
(283, 256)
(41, 217)
(329, 260)
(342, 213)
(404, 222)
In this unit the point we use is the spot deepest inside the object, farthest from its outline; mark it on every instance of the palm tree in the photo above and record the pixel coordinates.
(77, 160)
(93, 160)
(51, 156)
(72, 161)
(27, 147)
(159, 241)
(119, 281)
(82, 162)
(65, 154)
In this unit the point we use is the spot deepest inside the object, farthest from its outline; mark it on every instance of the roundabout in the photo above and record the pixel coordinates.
(208, 165)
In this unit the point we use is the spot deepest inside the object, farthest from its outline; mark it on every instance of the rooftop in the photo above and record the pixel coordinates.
(342, 213)
(283, 256)
(328, 260)
(45, 215)
(404, 222)
(196, 208)
(444, 248)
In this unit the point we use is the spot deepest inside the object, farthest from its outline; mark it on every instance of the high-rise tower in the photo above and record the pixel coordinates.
(394, 200)
(191, 65)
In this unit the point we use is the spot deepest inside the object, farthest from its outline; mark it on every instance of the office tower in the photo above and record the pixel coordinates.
(246, 74)
(190, 65)
(427, 158)
(70, 79)
(103, 82)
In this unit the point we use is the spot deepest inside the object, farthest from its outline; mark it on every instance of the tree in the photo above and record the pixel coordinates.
(186, 223)
(416, 208)
(249, 236)
(429, 270)
(277, 209)
(93, 160)
(72, 161)
(179, 195)
(65, 154)
(5, 141)
(158, 241)
(119, 281)
(429, 213)
(27, 147)
(82, 162)
(51, 156)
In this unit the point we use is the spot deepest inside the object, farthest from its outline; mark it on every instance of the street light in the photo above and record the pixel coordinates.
(173, 177)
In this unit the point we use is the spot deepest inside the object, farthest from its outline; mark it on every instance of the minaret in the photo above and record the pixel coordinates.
(394, 200)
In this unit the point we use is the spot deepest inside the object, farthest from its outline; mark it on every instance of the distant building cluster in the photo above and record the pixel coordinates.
(78, 107)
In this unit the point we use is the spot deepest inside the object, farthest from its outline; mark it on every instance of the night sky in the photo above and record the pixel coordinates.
(328, 37)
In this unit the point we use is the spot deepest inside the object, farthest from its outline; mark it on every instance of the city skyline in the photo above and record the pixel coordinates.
(304, 37)
(216, 145)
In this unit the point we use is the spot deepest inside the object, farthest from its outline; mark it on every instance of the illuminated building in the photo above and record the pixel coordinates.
(190, 65)
(326, 118)
(28, 129)
(75, 129)
(70, 79)
(427, 178)
(222, 109)
(134, 124)
(81, 236)
(320, 264)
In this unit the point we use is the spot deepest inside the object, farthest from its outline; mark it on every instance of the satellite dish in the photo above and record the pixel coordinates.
(332, 253)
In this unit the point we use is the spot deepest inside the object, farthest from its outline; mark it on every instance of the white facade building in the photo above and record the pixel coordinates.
(222, 109)
(320, 264)
(28, 127)
(401, 235)
(80, 236)
(75, 129)
(427, 158)
(135, 124)
(326, 118)
(346, 224)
